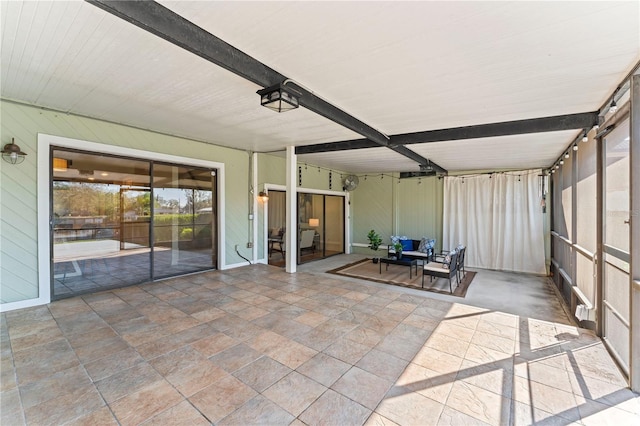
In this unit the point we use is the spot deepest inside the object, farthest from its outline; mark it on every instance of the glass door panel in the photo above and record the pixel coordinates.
(276, 227)
(334, 225)
(311, 226)
(321, 224)
(616, 280)
(100, 222)
(183, 220)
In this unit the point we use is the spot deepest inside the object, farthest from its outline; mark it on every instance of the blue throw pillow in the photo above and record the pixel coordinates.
(407, 245)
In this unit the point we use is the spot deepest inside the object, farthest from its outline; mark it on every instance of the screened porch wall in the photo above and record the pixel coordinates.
(573, 229)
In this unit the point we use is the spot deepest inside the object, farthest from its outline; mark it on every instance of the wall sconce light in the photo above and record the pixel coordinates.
(263, 196)
(12, 153)
(60, 164)
(314, 222)
(278, 98)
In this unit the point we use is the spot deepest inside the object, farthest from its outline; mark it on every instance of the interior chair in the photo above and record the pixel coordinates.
(306, 241)
(447, 269)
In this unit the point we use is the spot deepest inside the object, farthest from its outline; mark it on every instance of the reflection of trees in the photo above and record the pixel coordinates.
(84, 199)
(95, 199)
(196, 200)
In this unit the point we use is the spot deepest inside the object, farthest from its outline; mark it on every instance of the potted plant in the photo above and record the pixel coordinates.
(374, 242)
(398, 249)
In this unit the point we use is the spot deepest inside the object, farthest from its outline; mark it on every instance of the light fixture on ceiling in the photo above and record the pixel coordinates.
(553, 170)
(60, 164)
(11, 153)
(575, 147)
(585, 138)
(561, 162)
(557, 167)
(614, 106)
(263, 196)
(279, 98)
(566, 154)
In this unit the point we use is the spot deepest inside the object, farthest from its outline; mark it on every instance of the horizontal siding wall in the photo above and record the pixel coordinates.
(411, 207)
(18, 202)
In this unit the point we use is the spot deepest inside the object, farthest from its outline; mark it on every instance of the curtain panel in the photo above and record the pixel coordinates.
(499, 218)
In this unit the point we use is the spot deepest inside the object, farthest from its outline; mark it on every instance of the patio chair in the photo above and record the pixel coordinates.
(446, 269)
(461, 249)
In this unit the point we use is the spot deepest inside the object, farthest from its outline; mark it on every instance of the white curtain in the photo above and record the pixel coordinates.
(499, 218)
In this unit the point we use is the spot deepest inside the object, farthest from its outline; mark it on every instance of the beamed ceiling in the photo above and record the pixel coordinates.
(430, 75)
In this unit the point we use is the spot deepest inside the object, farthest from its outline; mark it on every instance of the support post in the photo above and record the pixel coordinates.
(634, 234)
(291, 241)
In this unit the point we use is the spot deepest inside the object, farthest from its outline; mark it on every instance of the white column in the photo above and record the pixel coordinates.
(634, 223)
(291, 242)
(254, 223)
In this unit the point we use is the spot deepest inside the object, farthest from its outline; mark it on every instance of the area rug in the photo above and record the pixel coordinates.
(399, 275)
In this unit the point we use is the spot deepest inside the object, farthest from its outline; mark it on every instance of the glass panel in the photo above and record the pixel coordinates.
(183, 219)
(617, 187)
(276, 227)
(586, 196)
(311, 224)
(100, 206)
(618, 336)
(585, 277)
(616, 235)
(616, 292)
(334, 229)
(565, 227)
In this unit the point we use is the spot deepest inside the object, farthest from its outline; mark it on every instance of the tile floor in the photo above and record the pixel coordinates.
(256, 345)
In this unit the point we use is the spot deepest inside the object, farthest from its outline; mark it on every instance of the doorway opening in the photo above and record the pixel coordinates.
(320, 227)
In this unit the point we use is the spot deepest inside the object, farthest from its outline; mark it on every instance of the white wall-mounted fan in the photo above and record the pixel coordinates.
(350, 183)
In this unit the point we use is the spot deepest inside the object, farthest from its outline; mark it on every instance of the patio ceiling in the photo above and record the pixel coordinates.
(400, 67)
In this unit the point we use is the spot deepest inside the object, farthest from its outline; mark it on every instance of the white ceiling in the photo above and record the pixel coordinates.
(398, 66)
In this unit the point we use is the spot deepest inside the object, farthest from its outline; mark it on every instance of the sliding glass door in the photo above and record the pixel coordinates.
(113, 225)
(183, 220)
(321, 225)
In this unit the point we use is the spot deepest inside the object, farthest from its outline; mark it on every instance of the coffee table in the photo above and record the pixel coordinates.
(406, 261)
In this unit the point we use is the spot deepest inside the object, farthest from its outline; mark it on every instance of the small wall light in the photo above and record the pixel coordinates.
(614, 106)
(263, 196)
(566, 154)
(314, 222)
(12, 153)
(278, 98)
(585, 138)
(575, 147)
